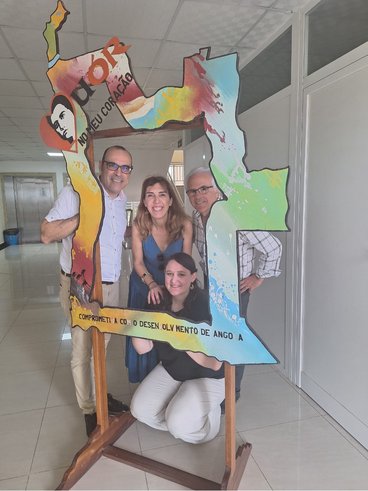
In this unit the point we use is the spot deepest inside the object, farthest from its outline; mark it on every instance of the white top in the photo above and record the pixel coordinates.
(112, 233)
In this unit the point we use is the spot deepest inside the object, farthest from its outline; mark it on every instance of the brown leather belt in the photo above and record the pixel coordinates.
(68, 275)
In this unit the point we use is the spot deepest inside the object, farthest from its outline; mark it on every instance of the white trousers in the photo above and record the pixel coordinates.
(82, 359)
(189, 410)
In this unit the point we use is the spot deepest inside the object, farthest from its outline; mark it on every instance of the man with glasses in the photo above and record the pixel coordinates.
(60, 224)
(202, 193)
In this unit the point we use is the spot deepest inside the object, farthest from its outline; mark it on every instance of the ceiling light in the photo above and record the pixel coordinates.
(55, 154)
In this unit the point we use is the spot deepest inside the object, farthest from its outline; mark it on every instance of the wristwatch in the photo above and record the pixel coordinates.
(146, 273)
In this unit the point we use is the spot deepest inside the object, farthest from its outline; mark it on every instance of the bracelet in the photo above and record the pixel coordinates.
(146, 273)
(153, 281)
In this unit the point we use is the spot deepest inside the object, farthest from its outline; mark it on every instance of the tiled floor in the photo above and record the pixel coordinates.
(295, 444)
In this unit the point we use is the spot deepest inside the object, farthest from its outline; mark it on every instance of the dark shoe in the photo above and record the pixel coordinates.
(222, 405)
(116, 407)
(91, 423)
(237, 396)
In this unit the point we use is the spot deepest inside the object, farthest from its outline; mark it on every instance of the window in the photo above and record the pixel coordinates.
(176, 168)
(335, 27)
(267, 73)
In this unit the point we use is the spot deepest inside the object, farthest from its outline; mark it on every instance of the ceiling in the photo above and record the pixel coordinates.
(160, 32)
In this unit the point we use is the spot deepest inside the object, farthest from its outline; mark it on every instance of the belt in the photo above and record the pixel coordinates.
(69, 275)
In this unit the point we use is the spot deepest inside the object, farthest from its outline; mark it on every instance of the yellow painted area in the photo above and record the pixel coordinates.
(56, 18)
(133, 323)
(91, 207)
(275, 178)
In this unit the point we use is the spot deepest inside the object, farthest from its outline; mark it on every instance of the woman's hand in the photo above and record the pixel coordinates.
(205, 361)
(142, 346)
(155, 293)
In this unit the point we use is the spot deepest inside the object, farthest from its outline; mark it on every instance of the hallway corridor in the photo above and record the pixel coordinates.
(296, 445)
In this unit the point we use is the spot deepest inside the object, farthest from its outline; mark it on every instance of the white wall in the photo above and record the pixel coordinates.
(2, 220)
(146, 163)
(335, 334)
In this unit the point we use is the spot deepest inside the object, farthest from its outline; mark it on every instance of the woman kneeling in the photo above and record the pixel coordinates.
(183, 393)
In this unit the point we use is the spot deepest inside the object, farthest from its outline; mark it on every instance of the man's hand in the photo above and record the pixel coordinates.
(58, 229)
(250, 283)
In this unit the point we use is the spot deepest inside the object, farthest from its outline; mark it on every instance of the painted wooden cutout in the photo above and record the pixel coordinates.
(253, 200)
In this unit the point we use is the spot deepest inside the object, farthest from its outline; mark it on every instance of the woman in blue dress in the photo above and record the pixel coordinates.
(160, 229)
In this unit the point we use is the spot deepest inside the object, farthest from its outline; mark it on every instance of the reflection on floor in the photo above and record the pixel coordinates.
(295, 444)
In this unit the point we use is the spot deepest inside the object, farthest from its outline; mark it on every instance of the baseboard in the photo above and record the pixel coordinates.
(334, 408)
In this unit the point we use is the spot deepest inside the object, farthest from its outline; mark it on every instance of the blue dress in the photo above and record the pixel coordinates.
(140, 365)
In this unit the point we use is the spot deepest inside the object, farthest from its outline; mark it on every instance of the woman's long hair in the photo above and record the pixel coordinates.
(188, 263)
(176, 215)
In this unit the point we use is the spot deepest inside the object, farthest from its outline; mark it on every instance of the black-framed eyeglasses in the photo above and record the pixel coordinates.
(202, 190)
(125, 169)
(161, 262)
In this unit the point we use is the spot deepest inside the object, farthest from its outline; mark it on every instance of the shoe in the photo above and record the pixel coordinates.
(222, 405)
(91, 423)
(114, 406)
(237, 397)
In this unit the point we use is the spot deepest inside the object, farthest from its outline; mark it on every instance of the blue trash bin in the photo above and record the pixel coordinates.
(11, 236)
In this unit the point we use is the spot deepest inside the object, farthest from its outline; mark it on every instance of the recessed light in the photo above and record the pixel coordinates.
(55, 154)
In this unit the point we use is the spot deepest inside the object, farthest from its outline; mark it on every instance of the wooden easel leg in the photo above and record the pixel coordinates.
(235, 461)
(108, 429)
(99, 358)
(94, 448)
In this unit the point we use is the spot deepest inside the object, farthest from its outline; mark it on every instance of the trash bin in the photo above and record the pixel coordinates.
(11, 236)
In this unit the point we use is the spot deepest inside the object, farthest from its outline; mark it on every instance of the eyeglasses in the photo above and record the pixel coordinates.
(125, 169)
(202, 190)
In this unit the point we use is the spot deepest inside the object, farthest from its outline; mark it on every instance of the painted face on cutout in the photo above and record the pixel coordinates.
(157, 201)
(63, 122)
(115, 180)
(202, 193)
(178, 279)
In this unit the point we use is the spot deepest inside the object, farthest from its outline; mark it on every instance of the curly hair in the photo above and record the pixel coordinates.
(176, 214)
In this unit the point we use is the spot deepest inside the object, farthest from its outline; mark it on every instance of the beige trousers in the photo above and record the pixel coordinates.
(82, 359)
(189, 410)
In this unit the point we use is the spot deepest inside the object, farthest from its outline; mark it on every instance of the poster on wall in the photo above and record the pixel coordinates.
(252, 200)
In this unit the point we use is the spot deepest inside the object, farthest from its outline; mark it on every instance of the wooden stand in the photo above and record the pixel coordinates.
(109, 429)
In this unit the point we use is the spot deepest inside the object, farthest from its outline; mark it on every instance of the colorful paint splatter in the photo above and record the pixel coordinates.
(253, 200)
